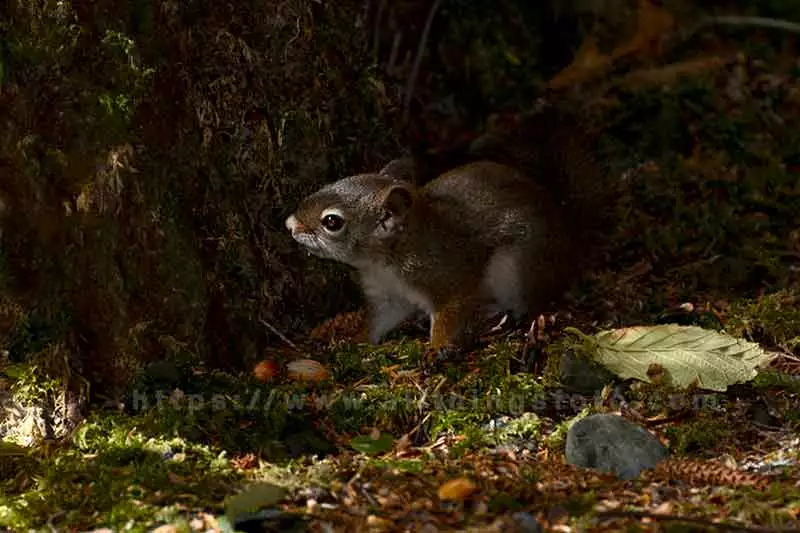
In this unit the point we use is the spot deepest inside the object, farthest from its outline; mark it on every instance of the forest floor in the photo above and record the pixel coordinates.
(378, 446)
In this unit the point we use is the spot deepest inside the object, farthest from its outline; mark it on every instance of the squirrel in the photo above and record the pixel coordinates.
(482, 237)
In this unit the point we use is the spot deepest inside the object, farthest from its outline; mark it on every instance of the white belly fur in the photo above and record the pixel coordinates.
(380, 282)
(503, 281)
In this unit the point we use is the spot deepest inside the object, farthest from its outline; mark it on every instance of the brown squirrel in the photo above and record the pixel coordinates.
(483, 237)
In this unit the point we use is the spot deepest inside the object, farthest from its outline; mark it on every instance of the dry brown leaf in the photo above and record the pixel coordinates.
(670, 74)
(457, 489)
(175, 479)
(245, 462)
(403, 443)
(265, 370)
(653, 22)
(665, 508)
(377, 523)
(588, 63)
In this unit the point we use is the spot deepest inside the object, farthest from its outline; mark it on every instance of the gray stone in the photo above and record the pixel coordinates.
(610, 443)
(526, 523)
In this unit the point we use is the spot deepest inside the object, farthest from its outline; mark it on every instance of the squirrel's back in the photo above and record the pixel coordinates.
(531, 252)
(498, 202)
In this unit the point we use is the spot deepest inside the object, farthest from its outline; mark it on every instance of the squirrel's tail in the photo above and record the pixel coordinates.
(560, 151)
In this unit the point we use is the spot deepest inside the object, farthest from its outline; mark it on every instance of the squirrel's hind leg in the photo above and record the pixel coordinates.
(456, 323)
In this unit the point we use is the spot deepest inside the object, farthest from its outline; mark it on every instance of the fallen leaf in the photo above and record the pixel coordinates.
(652, 23)
(588, 63)
(690, 356)
(265, 370)
(457, 489)
(671, 74)
(372, 444)
(378, 523)
(252, 499)
(307, 370)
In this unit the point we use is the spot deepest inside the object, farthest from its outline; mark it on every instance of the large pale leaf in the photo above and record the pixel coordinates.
(251, 499)
(680, 355)
(372, 444)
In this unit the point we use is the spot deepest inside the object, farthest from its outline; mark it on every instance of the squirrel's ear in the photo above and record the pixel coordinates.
(401, 169)
(398, 199)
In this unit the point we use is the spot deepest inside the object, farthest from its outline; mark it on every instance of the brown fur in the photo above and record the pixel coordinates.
(482, 234)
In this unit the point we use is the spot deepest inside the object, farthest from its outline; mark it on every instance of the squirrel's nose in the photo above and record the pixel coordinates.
(293, 225)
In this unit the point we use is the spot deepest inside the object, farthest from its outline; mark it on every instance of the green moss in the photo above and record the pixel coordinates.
(123, 475)
(388, 408)
(352, 362)
(770, 379)
(556, 440)
(31, 383)
(773, 319)
(402, 465)
(453, 405)
(461, 421)
(700, 435)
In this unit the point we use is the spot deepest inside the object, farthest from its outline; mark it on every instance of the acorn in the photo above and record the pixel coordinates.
(265, 370)
(307, 370)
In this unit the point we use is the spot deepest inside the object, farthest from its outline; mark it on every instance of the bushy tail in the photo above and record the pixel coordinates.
(560, 151)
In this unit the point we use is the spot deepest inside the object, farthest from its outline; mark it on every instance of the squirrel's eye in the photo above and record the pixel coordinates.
(333, 222)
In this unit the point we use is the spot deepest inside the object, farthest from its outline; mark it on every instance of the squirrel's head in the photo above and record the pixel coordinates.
(350, 219)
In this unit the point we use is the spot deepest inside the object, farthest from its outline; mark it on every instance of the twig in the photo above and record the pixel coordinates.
(738, 20)
(423, 43)
(788, 354)
(693, 520)
(667, 419)
(417, 427)
(763, 22)
(57, 514)
(297, 32)
(283, 337)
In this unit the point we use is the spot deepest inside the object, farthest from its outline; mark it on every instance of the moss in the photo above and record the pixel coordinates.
(456, 401)
(123, 474)
(390, 409)
(401, 465)
(703, 434)
(157, 184)
(352, 362)
(777, 380)
(773, 319)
